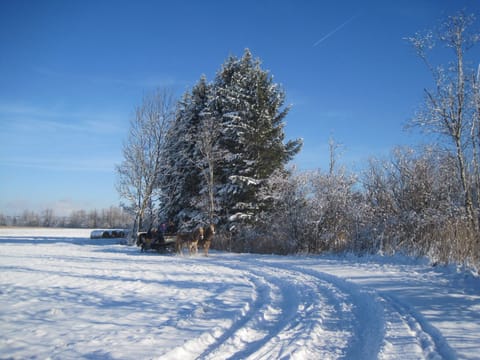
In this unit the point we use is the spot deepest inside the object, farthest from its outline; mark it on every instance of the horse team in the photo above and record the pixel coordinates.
(160, 241)
(192, 240)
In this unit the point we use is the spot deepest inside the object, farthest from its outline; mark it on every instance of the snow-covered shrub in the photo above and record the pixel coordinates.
(416, 207)
(334, 211)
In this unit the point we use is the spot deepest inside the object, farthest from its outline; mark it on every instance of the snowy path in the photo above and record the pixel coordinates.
(67, 297)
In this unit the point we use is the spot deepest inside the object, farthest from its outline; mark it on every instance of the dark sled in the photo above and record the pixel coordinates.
(152, 240)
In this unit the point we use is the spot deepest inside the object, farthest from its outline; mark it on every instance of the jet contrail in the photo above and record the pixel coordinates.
(335, 30)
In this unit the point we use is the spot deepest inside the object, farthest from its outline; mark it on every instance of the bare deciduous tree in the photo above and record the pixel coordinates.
(142, 165)
(475, 132)
(447, 110)
(334, 148)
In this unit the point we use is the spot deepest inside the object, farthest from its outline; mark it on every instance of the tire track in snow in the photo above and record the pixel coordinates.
(419, 339)
(407, 334)
(296, 312)
(241, 330)
(302, 316)
(366, 324)
(208, 343)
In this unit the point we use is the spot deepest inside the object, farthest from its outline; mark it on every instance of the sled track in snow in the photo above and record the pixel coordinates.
(406, 334)
(297, 312)
(291, 315)
(420, 338)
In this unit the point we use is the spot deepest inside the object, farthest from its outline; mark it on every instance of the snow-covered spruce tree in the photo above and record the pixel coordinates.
(226, 141)
(249, 108)
(207, 143)
(181, 183)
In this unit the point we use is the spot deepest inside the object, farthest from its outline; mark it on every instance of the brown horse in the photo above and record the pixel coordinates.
(190, 239)
(207, 239)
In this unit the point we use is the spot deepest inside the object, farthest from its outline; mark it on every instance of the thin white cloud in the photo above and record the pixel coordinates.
(48, 138)
(338, 28)
(26, 110)
(92, 163)
(33, 118)
(143, 81)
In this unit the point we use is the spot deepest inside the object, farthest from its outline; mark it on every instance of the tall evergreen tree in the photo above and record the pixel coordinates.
(182, 180)
(226, 141)
(250, 111)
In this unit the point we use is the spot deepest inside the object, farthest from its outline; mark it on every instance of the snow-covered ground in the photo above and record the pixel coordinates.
(64, 296)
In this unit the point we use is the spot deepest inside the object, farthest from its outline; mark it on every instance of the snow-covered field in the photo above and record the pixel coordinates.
(64, 296)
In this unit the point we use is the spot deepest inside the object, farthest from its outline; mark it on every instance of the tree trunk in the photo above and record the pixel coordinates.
(211, 210)
(465, 185)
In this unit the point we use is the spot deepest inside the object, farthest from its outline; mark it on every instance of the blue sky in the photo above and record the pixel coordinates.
(72, 72)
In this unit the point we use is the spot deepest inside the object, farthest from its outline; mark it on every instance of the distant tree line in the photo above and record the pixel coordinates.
(112, 217)
(219, 155)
